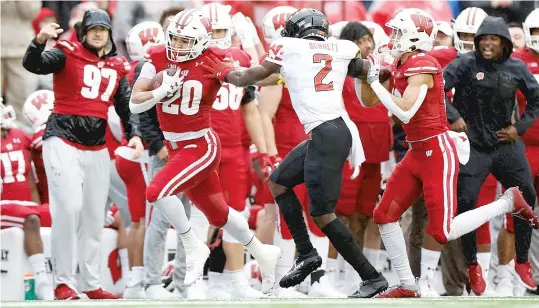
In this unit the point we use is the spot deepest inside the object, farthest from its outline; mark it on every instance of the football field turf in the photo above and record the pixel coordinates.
(444, 302)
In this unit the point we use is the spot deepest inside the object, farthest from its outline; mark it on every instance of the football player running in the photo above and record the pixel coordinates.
(314, 69)
(193, 147)
(430, 167)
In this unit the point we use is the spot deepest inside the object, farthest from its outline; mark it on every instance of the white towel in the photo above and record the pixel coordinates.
(357, 155)
(462, 143)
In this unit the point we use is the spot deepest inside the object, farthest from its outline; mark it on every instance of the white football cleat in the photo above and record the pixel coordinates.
(505, 287)
(44, 291)
(241, 289)
(426, 287)
(197, 290)
(323, 288)
(267, 261)
(135, 292)
(287, 293)
(158, 292)
(195, 258)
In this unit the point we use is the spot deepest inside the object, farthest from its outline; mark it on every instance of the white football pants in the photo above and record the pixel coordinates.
(78, 189)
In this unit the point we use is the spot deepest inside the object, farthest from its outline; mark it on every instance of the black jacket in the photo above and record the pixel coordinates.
(85, 130)
(485, 90)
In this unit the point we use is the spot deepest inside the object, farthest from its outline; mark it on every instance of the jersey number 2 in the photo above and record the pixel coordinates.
(319, 85)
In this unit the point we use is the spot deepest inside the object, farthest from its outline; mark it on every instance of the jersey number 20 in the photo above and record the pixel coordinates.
(319, 84)
(191, 94)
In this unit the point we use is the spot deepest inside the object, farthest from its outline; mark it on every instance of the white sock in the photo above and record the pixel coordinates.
(189, 240)
(216, 279)
(393, 239)
(172, 208)
(373, 255)
(468, 221)
(236, 277)
(341, 266)
(483, 258)
(238, 227)
(284, 264)
(124, 262)
(199, 224)
(321, 244)
(504, 271)
(37, 261)
(333, 270)
(137, 274)
(429, 262)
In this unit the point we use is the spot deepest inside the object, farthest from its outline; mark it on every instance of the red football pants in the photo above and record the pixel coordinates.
(15, 212)
(359, 195)
(430, 167)
(192, 169)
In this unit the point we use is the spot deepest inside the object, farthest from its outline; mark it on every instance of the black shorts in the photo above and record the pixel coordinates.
(318, 162)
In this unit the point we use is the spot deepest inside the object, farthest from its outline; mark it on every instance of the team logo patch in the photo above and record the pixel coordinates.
(480, 76)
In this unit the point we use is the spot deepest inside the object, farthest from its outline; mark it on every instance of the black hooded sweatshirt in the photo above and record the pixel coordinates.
(485, 89)
(84, 130)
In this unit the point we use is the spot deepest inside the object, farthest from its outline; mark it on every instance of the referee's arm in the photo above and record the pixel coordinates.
(530, 88)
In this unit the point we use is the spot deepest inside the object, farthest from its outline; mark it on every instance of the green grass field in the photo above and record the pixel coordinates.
(444, 302)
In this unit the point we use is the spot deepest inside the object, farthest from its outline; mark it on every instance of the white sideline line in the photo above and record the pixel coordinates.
(271, 302)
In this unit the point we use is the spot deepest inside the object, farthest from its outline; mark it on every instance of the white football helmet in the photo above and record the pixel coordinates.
(141, 37)
(412, 29)
(468, 21)
(8, 116)
(274, 22)
(192, 31)
(531, 22)
(38, 106)
(220, 18)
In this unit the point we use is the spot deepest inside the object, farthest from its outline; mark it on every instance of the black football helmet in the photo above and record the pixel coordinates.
(306, 23)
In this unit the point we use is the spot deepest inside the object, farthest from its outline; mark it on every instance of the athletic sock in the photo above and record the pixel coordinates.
(321, 244)
(429, 261)
(343, 240)
(124, 262)
(293, 215)
(393, 239)
(37, 261)
(237, 228)
(172, 208)
(137, 274)
(483, 258)
(471, 220)
(373, 255)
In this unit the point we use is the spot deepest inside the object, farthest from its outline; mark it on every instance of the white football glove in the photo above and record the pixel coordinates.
(169, 86)
(109, 218)
(374, 71)
(243, 30)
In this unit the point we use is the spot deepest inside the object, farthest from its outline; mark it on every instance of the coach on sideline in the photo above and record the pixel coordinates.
(87, 78)
(485, 83)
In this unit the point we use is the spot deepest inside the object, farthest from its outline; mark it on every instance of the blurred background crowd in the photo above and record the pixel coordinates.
(22, 20)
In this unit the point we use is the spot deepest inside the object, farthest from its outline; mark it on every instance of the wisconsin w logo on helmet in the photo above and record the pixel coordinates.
(148, 35)
(422, 23)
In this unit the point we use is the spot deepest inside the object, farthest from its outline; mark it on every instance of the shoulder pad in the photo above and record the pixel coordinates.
(67, 47)
(422, 64)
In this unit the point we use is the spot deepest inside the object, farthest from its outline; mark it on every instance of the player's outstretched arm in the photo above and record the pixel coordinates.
(251, 76)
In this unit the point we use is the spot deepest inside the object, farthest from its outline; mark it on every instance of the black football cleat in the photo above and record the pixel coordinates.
(301, 269)
(371, 287)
